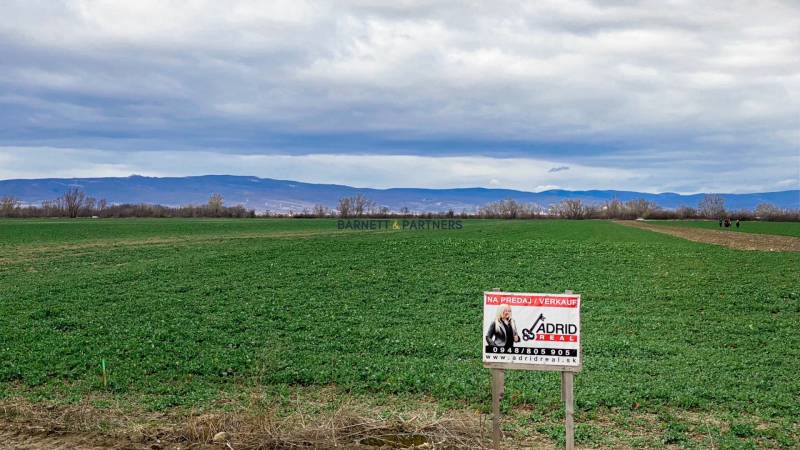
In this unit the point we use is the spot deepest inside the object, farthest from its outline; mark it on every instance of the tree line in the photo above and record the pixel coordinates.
(712, 206)
(75, 203)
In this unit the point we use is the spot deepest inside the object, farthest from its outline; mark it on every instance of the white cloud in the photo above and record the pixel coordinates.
(379, 171)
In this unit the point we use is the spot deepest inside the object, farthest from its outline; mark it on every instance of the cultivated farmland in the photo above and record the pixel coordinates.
(686, 344)
(776, 228)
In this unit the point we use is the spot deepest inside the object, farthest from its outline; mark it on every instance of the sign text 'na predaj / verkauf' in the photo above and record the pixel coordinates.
(532, 331)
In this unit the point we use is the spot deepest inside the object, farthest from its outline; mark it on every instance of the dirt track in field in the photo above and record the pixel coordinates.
(30, 252)
(729, 238)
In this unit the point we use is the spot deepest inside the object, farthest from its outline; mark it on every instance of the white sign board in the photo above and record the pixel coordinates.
(532, 331)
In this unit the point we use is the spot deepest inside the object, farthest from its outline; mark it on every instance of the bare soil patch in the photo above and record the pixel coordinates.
(32, 438)
(739, 241)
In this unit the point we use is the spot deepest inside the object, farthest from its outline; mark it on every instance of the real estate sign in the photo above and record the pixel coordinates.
(532, 331)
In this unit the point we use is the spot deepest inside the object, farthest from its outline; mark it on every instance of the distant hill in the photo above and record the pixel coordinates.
(282, 196)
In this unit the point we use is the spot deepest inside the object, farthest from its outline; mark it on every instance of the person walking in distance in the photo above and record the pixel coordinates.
(737, 224)
(503, 331)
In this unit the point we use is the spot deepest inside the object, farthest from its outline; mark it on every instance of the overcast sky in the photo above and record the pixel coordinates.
(681, 96)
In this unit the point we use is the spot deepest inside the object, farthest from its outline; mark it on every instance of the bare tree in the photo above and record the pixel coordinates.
(511, 208)
(215, 204)
(767, 210)
(357, 206)
(685, 212)
(640, 207)
(51, 208)
(491, 210)
(8, 206)
(89, 206)
(572, 209)
(345, 207)
(614, 209)
(712, 206)
(508, 209)
(73, 200)
(321, 211)
(359, 203)
(362, 205)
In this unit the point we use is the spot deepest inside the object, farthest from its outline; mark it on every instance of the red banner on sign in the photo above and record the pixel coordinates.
(532, 300)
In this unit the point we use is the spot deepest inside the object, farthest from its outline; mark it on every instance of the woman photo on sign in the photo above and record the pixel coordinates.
(503, 331)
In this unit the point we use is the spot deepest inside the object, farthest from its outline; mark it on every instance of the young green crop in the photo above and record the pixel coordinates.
(182, 309)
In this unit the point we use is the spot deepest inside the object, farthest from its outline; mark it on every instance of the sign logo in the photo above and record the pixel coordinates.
(528, 333)
(541, 331)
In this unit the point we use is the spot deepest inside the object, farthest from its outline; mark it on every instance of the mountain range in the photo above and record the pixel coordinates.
(266, 194)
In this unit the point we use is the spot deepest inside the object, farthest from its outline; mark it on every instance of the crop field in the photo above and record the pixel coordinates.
(685, 344)
(777, 228)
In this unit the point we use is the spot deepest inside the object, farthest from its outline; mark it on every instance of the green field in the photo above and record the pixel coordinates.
(183, 311)
(778, 228)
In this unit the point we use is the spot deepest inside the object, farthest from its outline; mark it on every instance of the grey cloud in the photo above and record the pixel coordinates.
(558, 169)
(718, 80)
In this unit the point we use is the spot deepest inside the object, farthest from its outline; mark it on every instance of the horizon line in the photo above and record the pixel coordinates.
(134, 175)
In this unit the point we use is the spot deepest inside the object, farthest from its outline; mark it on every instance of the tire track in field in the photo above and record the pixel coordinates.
(739, 241)
(30, 252)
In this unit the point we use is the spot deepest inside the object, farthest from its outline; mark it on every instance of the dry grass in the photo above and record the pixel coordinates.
(311, 417)
(346, 427)
(317, 420)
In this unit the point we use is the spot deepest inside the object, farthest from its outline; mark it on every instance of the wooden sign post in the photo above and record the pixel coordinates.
(532, 332)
